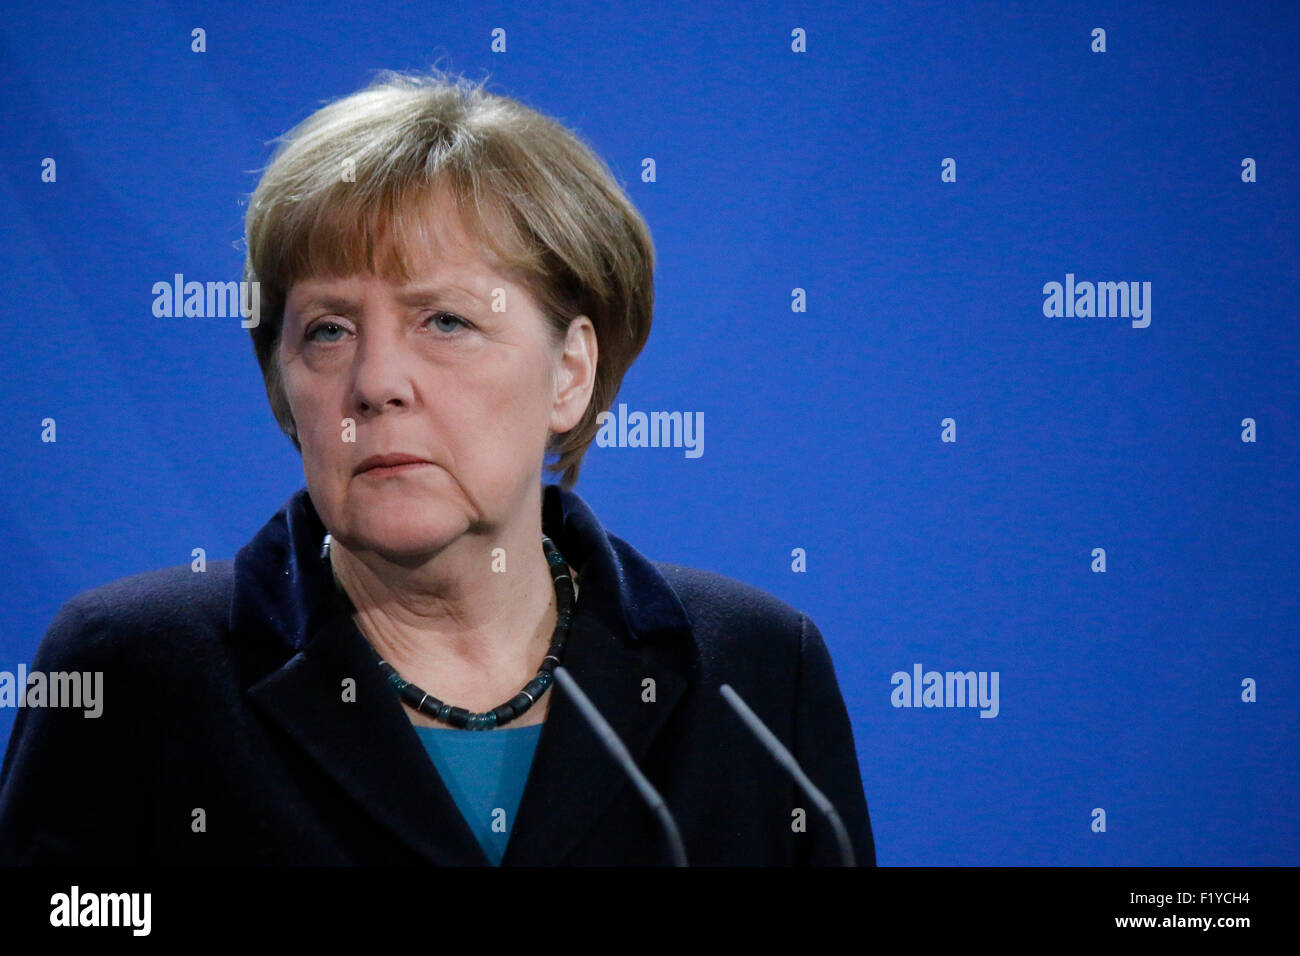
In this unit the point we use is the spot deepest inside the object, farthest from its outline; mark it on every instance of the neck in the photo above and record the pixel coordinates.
(457, 624)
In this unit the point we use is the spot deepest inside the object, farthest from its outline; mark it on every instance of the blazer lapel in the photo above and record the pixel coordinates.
(573, 778)
(628, 625)
(367, 746)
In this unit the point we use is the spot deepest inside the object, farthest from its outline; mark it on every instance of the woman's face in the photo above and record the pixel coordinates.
(456, 368)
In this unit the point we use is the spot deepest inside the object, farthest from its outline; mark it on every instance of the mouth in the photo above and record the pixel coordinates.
(380, 466)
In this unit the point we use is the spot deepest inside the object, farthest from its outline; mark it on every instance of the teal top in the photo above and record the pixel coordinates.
(485, 772)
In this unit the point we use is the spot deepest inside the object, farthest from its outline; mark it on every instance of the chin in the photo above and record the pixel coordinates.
(405, 529)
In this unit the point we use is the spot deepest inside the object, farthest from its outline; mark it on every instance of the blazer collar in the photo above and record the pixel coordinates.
(628, 625)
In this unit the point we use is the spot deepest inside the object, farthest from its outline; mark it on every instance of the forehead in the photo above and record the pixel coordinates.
(424, 246)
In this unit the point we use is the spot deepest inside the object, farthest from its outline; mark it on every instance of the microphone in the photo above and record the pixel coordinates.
(786, 759)
(624, 759)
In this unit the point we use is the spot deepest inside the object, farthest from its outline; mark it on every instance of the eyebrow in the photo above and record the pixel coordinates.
(418, 294)
(409, 296)
(330, 302)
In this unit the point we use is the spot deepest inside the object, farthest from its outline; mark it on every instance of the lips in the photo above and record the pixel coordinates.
(388, 461)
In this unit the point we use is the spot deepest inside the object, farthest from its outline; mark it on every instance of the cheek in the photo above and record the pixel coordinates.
(511, 396)
(531, 400)
(319, 431)
(308, 398)
(502, 420)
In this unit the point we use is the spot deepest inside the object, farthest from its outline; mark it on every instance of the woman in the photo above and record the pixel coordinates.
(452, 288)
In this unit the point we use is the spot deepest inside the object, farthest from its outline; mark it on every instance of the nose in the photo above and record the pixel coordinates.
(382, 372)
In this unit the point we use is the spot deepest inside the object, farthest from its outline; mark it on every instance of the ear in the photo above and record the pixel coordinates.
(574, 375)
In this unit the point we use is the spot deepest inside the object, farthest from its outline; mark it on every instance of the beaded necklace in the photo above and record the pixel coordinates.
(531, 692)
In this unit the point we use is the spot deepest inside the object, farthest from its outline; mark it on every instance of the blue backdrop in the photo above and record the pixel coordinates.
(857, 211)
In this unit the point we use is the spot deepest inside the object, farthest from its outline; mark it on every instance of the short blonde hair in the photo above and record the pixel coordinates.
(332, 198)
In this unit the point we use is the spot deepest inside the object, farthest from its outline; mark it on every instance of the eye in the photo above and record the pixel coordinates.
(447, 322)
(455, 320)
(313, 336)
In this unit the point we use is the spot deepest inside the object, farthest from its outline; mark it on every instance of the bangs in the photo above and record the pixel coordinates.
(345, 231)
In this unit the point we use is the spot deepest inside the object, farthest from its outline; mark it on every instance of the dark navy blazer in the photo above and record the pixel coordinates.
(223, 693)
